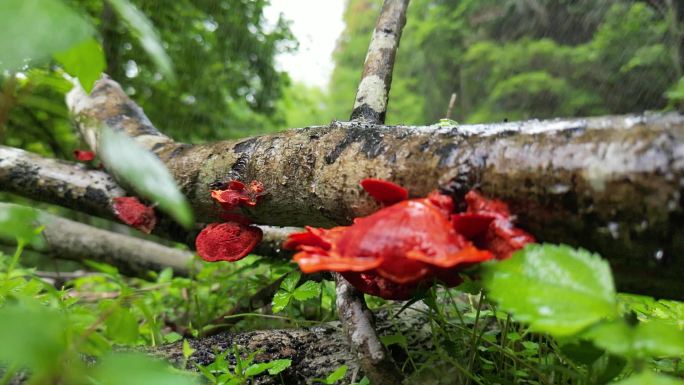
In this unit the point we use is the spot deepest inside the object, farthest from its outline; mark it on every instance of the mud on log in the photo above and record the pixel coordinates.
(610, 184)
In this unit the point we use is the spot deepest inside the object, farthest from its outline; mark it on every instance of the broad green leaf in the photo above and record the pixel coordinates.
(650, 378)
(143, 30)
(280, 300)
(122, 326)
(278, 366)
(85, 61)
(290, 282)
(147, 175)
(557, 289)
(138, 369)
(35, 29)
(256, 369)
(273, 367)
(31, 335)
(308, 289)
(654, 338)
(337, 375)
(18, 222)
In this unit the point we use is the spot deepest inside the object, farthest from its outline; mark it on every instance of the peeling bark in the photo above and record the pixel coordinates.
(610, 184)
(67, 239)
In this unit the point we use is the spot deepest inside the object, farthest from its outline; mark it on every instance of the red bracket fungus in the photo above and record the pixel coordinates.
(409, 243)
(134, 213)
(228, 241)
(233, 239)
(84, 155)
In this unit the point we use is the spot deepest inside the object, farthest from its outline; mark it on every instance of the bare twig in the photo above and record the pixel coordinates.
(373, 93)
(370, 106)
(450, 108)
(68, 239)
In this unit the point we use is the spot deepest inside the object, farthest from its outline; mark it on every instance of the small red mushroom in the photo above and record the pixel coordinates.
(237, 193)
(134, 213)
(234, 238)
(228, 241)
(84, 155)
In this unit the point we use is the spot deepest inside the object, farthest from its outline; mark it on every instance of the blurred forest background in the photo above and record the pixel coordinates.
(506, 59)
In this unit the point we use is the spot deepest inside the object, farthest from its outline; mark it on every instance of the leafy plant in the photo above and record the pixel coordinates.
(221, 372)
(570, 293)
(289, 291)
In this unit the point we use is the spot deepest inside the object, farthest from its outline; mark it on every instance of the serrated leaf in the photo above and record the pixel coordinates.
(307, 290)
(337, 375)
(291, 281)
(144, 172)
(85, 61)
(647, 339)
(35, 29)
(143, 30)
(557, 289)
(280, 301)
(650, 378)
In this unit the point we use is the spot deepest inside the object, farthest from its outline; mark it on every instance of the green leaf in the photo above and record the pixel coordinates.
(557, 289)
(18, 222)
(394, 339)
(280, 301)
(35, 29)
(138, 369)
(647, 339)
(650, 378)
(85, 61)
(307, 290)
(278, 366)
(147, 175)
(337, 375)
(273, 367)
(290, 282)
(187, 350)
(143, 30)
(122, 326)
(31, 335)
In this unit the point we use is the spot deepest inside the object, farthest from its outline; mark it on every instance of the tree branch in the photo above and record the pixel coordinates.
(67, 239)
(610, 184)
(373, 93)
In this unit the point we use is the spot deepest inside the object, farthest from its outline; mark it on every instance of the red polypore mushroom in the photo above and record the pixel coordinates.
(237, 193)
(134, 213)
(488, 223)
(84, 155)
(229, 241)
(392, 252)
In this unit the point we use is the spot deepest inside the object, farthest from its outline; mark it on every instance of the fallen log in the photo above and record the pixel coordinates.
(609, 184)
